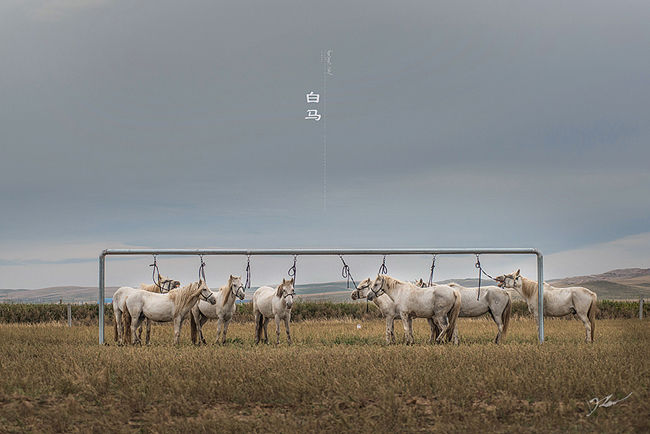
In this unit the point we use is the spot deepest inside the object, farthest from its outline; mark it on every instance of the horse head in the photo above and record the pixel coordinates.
(166, 284)
(236, 287)
(286, 291)
(509, 281)
(377, 288)
(362, 289)
(206, 294)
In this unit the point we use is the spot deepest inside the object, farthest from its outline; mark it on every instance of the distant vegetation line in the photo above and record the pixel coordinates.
(88, 314)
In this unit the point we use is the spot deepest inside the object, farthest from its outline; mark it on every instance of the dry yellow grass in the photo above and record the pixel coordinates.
(336, 377)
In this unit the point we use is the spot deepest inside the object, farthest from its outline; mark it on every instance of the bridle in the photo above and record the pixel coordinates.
(503, 285)
(234, 290)
(381, 288)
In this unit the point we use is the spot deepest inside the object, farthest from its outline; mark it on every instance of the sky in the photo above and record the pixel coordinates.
(165, 124)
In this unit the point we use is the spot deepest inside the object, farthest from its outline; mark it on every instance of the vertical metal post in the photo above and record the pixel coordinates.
(69, 315)
(102, 265)
(540, 295)
(641, 308)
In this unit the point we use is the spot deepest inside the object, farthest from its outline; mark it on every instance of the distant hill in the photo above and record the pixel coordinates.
(623, 284)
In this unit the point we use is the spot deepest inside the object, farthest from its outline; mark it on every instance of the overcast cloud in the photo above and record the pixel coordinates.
(444, 124)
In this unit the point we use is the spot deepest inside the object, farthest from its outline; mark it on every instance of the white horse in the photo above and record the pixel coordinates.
(223, 310)
(440, 304)
(269, 302)
(173, 306)
(119, 298)
(492, 299)
(557, 301)
(385, 304)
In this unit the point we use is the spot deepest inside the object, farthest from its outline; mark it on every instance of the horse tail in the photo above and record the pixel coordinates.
(452, 316)
(193, 328)
(115, 328)
(505, 318)
(126, 320)
(591, 314)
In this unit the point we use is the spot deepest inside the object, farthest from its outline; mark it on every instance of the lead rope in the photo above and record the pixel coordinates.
(480, 271)
(248, 273)
(153, 274)
(202, 269)
(433, 266)
(292, 270)
(382, 268)
(348, 276)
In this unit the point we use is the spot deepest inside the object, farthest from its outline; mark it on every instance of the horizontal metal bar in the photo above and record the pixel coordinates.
(418, 251)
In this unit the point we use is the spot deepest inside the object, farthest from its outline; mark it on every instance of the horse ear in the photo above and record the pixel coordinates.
(517, 273)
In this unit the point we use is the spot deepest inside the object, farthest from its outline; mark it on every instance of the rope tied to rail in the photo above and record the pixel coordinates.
(248, 272)
(202, 269)
(382, 268)
(347, 275)
(156, 270)
(433, 266)
(292, 270)
(480, 271)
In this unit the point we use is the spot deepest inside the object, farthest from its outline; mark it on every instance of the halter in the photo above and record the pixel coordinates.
(287, 294)
(203, 296)
(381, 287)
(233, 292)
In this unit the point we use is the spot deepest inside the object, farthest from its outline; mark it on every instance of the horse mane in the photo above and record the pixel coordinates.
(225, 291)
(282, 285)
(391, 281)
(150, 288)
(181, 297)
(528, 287)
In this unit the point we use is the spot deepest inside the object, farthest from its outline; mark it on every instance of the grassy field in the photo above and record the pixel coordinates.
(336, 377)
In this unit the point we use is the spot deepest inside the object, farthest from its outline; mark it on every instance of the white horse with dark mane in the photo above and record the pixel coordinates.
(492, 299)
(439, 304)
(557, 301)
(386, 306)
(223, 310)
(173, 306)
(273, 303)
(163, 285)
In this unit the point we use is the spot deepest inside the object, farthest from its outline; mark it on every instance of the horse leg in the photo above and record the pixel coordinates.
(119, 326)
(583, 317)
(219, 328)
(178, 323)
(408, 328)
(286, 326)
(390, 335)
(225, 329)
(199, 329)
(258, 326)
(266, 328)
(455, 338)
(433, 328)
(148, 335)
(134, 329)
(277, 329)
(442, 325)
(497, 340)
